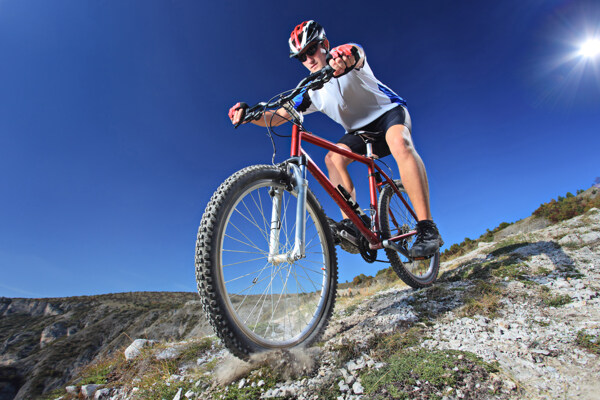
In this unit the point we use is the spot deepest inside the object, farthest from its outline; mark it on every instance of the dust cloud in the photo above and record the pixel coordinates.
(289, 363)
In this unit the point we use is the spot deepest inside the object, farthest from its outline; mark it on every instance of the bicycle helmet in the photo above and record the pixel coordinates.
(304, 35)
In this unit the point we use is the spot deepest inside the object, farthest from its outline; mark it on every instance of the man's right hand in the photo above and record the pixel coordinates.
(237, 112)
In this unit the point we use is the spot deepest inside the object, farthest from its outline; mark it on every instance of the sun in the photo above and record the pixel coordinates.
(590, 48)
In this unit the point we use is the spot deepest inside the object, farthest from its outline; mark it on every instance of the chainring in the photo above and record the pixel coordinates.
(368, 254)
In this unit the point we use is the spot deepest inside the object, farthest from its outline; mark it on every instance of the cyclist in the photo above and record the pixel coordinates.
(358, 101)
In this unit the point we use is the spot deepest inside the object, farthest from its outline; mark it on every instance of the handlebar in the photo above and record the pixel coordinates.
(316, 80)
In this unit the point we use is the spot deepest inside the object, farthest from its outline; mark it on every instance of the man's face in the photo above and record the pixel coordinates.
(315, 55)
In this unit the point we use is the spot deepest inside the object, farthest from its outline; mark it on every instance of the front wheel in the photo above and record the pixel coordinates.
(253, 300)
(395, 219)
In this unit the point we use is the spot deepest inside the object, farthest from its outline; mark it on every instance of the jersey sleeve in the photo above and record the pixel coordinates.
(303, 103)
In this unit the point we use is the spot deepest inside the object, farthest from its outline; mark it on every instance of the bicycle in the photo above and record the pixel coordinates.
(266, 263)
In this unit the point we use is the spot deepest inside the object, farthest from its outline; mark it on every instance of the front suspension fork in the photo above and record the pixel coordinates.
(297, 167)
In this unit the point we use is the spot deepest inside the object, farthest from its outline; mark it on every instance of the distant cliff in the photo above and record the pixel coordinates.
(43, 342)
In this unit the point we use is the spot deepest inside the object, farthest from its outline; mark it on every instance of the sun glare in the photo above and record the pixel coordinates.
(590, 48)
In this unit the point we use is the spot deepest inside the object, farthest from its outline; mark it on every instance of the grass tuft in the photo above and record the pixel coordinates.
(482, 299)
(429, 371)
(397, 341)
(588, 341)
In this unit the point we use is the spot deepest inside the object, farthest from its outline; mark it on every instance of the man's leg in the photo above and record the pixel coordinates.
(414, 179)
(412, 169)
(337, 166)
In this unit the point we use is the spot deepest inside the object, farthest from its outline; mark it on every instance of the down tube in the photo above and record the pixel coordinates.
(337, 197)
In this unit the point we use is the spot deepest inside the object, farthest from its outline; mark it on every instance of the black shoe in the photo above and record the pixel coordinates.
(334, 230)
(348, 226)
(345, 234)
(428, 240)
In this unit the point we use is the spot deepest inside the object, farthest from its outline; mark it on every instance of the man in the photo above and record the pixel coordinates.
(358, 101)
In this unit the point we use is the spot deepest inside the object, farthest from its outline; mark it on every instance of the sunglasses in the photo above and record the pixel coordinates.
(310, 51)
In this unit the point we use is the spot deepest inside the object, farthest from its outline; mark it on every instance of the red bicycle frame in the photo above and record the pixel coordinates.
(299, 136)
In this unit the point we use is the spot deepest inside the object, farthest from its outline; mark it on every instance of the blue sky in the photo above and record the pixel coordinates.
(114, 129)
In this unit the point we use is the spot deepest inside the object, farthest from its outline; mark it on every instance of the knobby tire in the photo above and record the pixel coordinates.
(394, 220)
(232, 266)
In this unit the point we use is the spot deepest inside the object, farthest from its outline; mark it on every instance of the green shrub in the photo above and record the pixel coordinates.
(363, 280)
(469, 244)
(566, 207)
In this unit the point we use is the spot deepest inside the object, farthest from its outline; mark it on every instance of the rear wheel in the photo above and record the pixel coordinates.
(395, 219)
(254, 302)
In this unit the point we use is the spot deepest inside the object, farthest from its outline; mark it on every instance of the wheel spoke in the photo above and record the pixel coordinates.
(396, 219)
(271, 304)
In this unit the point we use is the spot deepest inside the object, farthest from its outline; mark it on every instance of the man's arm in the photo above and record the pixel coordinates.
(273, 118)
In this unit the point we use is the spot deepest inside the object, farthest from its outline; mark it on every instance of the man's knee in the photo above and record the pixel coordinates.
(400, 143)
(337, 161)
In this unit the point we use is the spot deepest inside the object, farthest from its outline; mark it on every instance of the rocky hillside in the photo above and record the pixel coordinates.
(43, 342)
(515, 317)
(514, 314)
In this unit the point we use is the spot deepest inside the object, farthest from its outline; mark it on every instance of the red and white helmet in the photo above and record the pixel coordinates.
(305, 34)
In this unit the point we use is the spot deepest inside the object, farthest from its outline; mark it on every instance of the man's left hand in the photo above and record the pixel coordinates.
(342, 59)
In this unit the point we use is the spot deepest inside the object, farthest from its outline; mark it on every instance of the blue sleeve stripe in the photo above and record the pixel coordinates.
(394, 98)
(299, 99)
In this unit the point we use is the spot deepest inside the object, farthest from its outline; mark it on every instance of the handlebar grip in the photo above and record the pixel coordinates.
(253, 113)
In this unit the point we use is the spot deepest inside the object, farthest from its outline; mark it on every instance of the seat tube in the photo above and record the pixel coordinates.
(372, 187)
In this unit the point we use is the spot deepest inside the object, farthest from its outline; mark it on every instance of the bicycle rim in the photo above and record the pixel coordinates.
(395, 220)
(274, 304)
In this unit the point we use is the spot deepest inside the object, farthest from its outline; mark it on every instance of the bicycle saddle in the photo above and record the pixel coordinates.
(367, 136)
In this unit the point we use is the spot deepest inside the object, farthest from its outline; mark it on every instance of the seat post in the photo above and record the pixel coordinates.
(369, 149)
(368, 138)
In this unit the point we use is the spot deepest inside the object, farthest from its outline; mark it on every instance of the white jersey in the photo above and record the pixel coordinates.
(353, 100)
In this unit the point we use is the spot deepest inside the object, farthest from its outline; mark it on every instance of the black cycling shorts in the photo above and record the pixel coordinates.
(396, 116)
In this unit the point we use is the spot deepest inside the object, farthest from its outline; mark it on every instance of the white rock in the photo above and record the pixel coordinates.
(343, 387)
(510, 385)
(72, 390)
(88, 391)
(136, 347)
(189, 394)
(242, 383)
(169, 353)
(178, 395)
(102, 394)
(357, 388)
